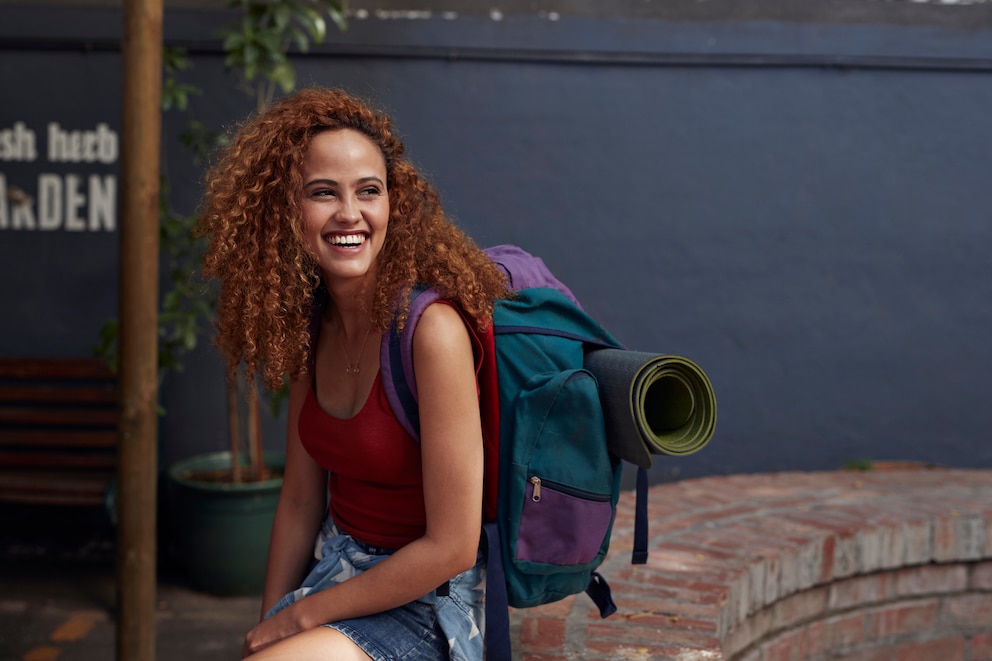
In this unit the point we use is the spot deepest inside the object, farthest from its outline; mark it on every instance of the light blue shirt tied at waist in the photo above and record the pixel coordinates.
(460, 614)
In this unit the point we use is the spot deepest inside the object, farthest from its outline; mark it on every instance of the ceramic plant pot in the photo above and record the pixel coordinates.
(222, 529)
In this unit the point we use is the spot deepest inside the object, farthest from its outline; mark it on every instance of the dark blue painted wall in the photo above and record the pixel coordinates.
(803, 209)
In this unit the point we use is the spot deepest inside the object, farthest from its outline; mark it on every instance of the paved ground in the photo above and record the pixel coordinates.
(68, 615)
(57, 595)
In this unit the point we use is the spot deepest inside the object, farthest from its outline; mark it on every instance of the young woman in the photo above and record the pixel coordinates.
(318, 228)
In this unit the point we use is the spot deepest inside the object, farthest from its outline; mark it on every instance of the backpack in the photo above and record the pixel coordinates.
(551, 500)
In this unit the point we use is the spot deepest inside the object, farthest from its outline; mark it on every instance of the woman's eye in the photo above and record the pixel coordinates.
(370, 192)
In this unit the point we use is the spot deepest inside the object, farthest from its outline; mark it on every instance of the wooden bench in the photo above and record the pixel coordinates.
(58, 431)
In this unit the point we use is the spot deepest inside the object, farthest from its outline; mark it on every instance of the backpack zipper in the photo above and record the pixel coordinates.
(565, 489)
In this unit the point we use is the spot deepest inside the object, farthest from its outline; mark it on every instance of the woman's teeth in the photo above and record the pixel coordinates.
(347, 241)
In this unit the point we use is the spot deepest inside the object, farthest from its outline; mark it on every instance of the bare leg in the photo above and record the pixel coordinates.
(318, 644)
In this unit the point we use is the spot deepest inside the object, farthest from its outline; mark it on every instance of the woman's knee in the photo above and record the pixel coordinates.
(319, 644)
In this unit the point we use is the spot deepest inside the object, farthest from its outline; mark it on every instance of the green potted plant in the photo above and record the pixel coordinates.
(223, 503)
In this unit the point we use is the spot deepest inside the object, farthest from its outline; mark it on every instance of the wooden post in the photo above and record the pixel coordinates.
(139, 266)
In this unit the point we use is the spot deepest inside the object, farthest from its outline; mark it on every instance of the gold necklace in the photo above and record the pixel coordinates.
(350, 367)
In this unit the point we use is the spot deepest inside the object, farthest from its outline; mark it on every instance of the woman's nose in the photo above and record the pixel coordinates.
(348, 210)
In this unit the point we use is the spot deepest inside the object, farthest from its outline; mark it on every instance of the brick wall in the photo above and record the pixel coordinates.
(892, 565)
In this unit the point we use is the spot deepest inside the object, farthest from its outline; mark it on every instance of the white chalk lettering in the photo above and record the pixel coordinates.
(100, 145)
(18, 143)
(74, 203)
(49, 202)
(103, 203)
(22, 218)
(15, 208)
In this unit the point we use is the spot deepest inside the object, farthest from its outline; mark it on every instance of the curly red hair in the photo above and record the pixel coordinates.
(252, 215)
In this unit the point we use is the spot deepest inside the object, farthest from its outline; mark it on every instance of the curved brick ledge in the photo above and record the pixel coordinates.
(869, 566)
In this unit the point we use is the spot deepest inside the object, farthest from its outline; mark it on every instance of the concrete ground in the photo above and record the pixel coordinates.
(57, 595)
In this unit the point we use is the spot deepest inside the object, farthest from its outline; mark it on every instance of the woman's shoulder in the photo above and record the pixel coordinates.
(440, 323)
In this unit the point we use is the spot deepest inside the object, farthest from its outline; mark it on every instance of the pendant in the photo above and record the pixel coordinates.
(352, 369)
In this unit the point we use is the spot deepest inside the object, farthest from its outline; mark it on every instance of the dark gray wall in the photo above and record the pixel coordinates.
(801, 206)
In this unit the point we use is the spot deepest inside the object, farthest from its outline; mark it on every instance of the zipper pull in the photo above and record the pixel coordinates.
(536, 496)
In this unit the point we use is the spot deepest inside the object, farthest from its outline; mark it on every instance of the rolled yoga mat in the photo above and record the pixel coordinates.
(653, 404)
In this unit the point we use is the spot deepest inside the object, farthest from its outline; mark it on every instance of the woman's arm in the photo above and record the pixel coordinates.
(300, 511)
(451, 447)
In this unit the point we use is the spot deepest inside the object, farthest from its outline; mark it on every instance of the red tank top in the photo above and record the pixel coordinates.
(376, 481)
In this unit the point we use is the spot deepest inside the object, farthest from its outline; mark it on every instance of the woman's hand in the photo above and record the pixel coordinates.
(270, 631)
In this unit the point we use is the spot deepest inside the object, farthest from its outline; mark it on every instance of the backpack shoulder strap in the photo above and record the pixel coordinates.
(396, 359)
(396, 362)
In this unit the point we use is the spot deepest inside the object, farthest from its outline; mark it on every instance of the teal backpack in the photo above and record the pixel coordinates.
(557, 484)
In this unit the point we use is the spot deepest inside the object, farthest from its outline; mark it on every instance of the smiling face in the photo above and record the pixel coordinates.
(345, 205)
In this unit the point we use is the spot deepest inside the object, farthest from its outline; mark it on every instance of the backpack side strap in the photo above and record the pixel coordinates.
(497, 604)
(639, 555)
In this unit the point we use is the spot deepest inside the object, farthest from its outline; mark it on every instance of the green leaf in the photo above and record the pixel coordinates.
(249, 63)
(300, 38)
(313, 21)
(284, 75)
(171, 299)
(271, 44)
(338, 11)
(106, 349)
(234, 41)
(282, 15)
(174, 59)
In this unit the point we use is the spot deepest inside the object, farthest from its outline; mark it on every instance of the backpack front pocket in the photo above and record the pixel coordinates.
(562, 525)
(561, 484)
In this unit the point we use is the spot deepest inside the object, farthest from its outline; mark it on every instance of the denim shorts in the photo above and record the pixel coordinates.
(435, 626)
